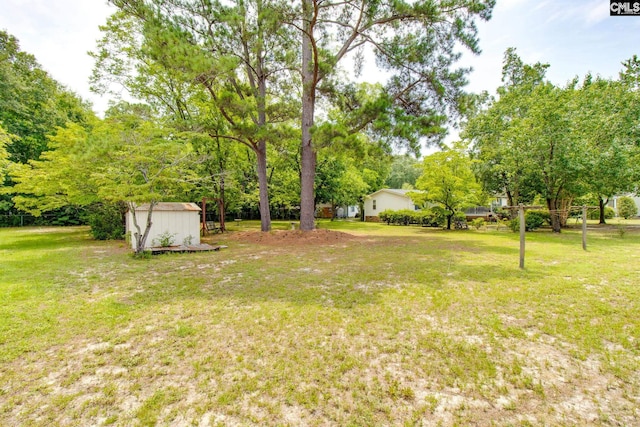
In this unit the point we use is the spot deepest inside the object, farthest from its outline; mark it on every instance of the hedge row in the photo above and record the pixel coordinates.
(434, 217)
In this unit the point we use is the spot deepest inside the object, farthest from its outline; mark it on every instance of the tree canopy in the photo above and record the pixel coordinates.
(448, 180)
(560, 143)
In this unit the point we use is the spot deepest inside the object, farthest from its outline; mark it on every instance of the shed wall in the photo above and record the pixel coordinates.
(181, 224)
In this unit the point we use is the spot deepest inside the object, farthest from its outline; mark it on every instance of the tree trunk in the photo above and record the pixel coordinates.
(221, 214)
(511, 201)
(449, 217)
(265, 214)
(221, 199)
(601, 203)
(554, 213)
(307, 154)
(139, 236)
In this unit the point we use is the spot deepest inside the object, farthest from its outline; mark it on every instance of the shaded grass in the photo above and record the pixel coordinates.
(404, 326)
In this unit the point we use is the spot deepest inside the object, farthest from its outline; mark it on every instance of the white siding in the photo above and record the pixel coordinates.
(386, 200)
(181, 224)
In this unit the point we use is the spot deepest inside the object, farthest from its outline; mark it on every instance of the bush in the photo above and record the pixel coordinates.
(105, 220)
(440, 215)
(535, 219)
(478, 223)
(532, 221)
(406, 217)
(627, 207)
(595, 213)
(426, 218)
(164, 240)
(385, 216)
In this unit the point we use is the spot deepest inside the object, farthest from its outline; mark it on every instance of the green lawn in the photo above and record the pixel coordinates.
(401, 326)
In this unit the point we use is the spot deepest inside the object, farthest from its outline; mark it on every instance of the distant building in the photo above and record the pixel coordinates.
(387, 199)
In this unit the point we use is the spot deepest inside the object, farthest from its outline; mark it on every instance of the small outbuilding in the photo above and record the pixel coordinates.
(177, 222)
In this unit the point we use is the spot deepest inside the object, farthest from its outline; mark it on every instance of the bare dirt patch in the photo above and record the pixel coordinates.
(293, 237)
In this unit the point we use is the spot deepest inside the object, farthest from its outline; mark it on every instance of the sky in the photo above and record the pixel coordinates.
(574, 36)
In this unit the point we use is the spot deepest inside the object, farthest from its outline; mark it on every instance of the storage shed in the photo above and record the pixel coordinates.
(181, 221)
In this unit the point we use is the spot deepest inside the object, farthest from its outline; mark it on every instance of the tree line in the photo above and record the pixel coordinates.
(261, 77)
(261, 107)
(577, 144)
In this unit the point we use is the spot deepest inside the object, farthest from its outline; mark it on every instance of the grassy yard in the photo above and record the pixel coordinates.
(398, 326)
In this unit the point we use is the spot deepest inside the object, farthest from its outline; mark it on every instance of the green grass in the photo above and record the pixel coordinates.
(402, 326)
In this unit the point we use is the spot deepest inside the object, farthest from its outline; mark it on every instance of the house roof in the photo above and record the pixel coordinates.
(396, 191)
(170, 206)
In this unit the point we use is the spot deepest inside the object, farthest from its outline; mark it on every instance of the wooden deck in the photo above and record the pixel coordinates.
(203, 247)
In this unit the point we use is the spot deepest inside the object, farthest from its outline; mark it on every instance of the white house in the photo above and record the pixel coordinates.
(180, 221)
(387, 198)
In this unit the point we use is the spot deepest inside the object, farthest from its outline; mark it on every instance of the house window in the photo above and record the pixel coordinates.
(374, 204)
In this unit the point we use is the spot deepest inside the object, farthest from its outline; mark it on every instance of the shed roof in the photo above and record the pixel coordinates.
(170, 206)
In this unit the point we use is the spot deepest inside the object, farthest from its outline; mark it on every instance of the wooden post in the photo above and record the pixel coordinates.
(204, 216)
(522, 232)
(584, 228)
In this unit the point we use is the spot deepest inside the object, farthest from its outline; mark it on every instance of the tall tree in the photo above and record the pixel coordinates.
(32, 104)
(128, 157)
(502, 166)
(604, 118)
(236, 52)
(5, 139)
(404, 173)
(414, 41)
(525, 140)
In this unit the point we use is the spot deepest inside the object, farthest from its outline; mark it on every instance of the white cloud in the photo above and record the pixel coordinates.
(596, 11)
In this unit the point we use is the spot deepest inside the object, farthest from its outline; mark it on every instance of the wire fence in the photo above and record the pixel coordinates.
(26, 220)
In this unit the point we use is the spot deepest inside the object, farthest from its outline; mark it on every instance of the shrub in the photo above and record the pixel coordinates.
(627, 207)
(478, 223)
(595, 213)
(440, 215)
(385, 216)
(426, 218)
(403, 217)
(532, 221)
(164, 240)
(105, 220)
(407, 216)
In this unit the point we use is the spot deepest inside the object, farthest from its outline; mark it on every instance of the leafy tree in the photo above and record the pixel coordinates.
(503, 166)
(147, 164)
(404, 173)
(627, 207)
(448, 180)
(32, 104)
(240, 63)
(339, 182)
(61, 176)
(414, 41)
(125, 158)
(525, 141)
(5, 139)
(604, 120)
